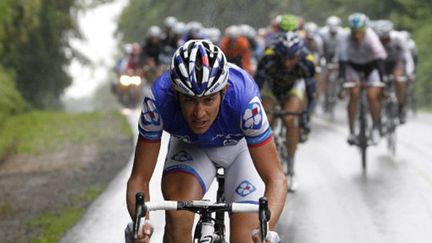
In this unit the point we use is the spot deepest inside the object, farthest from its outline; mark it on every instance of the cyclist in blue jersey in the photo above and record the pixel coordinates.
(213, 112)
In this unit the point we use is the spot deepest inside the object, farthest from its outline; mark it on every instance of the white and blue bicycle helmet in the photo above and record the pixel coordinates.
(199, 68)
(358, 21)
(288, 44)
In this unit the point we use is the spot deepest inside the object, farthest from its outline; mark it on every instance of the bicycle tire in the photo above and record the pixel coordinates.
(332, 96)
(280, 145)
(284, 158)
(410, 98)
(364, 158)
(363, 139)
(391, 142)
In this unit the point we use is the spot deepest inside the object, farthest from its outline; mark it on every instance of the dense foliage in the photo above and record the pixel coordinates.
(411, 15)
(34, 51)
(33, 42)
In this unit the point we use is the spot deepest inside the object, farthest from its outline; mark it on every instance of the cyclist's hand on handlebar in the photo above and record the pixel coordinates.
(272, 236)
(143, 236)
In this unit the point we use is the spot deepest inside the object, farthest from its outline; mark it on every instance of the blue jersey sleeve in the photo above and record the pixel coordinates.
(254, 123)
(150, 124)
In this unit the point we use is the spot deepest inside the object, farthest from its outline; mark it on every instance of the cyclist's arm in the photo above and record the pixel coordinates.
(269, 168)
(146, 153)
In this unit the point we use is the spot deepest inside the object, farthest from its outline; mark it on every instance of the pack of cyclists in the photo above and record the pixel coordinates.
(218, 96)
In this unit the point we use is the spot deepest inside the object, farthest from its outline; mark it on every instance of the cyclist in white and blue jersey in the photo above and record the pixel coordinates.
(213, 112)
(362, 53)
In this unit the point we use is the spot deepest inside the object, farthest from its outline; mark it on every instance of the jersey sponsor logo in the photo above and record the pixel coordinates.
(185, 138)
(228, 139)
(150, 117)
(253, 116)
(245, 188)
(182, 156)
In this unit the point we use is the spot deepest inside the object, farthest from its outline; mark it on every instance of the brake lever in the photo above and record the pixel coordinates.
(264, 217)
(140, 211)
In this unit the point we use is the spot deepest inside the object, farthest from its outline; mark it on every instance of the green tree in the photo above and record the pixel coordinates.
(34, 45)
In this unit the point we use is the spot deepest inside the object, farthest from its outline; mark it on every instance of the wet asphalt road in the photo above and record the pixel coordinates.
(336, 202)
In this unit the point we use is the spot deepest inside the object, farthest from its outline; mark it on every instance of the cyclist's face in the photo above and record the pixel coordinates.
(200, 112)
(289, 63)
(385, 40)
(358, 35)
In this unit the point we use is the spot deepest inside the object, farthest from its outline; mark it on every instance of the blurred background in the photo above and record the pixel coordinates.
(39, 39)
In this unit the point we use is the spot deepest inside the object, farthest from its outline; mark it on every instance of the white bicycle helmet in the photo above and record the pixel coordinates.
(170, 21)
(333, 23)
(382, 27)
(199, 68)
(154, 31)
(233, 31)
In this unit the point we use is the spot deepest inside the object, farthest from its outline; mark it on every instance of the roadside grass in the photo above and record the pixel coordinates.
(52, 225)
(42, 131)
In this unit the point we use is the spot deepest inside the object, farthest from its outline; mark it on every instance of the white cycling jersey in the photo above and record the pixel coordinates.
(331, 42)
(398, 48)
(370, 49)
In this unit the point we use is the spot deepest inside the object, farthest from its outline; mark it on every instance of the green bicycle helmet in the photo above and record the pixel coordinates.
(288, 22)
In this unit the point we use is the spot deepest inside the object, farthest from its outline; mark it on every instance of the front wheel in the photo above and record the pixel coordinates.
(391, 142)
(363, 140)
(363, 151)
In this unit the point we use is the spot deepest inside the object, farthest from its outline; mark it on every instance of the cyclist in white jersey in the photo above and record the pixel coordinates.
(361, 53)
(213, 112)
(399, 61)
(331, 34)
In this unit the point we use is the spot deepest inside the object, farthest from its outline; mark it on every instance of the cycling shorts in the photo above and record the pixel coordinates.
(242, 182)
(298, 90)
(372, 76)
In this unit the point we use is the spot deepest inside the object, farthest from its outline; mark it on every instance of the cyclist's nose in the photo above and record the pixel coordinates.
(199, 111)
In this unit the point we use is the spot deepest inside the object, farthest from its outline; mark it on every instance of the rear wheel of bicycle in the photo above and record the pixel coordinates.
(410, 99)
(332, 99)
(284, 160)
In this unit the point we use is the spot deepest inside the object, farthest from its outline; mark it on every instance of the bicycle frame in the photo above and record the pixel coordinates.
(331, 89)
(219, 220)
(362, 136)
